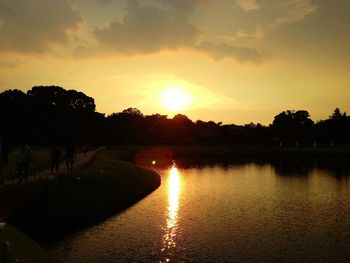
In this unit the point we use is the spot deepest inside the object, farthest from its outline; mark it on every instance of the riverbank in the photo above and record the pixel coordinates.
(21, 247)
(235, 213)
(51, 209)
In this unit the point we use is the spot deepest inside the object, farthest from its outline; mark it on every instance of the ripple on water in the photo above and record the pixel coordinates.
(239, 214)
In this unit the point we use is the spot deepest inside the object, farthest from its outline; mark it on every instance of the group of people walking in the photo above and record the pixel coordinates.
(23, 154)
(69, 158)
(23, 159)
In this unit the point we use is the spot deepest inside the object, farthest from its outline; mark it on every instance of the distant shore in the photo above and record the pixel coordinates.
(165, 154)
(234, 152)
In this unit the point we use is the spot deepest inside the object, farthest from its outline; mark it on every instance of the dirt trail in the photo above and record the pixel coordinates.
(82, 160)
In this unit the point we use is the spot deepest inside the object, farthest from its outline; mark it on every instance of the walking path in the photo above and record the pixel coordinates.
(82, 160)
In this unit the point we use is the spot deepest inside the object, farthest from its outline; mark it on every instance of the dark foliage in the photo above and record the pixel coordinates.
(47, 115)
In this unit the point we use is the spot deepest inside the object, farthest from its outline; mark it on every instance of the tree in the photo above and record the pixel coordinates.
(335, 129)
(57, 98)
(133, 111)
(337, 115)
(15, 114)
(293, 125)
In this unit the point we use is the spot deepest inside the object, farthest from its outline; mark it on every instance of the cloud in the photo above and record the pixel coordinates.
(221, 50)
(9, 64)
(278, 14)
(257, 33)
(182, 6)
(247, 5)
(294, 11)
(147, 29)
(150, 29)
(34, 25)
(103, 2)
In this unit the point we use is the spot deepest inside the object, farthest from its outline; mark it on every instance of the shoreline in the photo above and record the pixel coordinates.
(165, 154)
(47, 211)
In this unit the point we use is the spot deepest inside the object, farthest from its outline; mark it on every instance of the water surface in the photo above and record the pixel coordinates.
(236, 213)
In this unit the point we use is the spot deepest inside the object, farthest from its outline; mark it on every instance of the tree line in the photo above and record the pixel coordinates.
(47, 115)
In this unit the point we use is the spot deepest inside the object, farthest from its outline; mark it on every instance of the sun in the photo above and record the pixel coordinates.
(175, 98)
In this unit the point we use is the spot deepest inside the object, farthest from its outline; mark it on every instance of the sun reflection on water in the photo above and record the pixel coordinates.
(170, 229)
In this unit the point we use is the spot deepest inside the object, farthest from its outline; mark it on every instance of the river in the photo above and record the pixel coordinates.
(245, 212)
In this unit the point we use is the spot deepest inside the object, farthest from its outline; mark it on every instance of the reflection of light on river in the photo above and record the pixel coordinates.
(173, 208)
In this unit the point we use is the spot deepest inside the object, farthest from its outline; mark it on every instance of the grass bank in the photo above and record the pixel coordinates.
(50, 210)
(23, 247)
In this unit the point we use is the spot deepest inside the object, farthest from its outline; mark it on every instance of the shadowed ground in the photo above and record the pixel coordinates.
(39, 167)
(48, 210)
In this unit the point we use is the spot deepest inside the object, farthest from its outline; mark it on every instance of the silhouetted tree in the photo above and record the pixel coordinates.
(132, 111)
(182, 129)
(52, 114)
(293, 125)
(47, 114)
(15, 115)
(335, 129)
(337, 115)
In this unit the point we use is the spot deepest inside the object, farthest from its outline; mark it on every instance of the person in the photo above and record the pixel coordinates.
(85, 149)
(23, 158)
(55, 154)
(3, 151)
(70, 156)
(1, 162)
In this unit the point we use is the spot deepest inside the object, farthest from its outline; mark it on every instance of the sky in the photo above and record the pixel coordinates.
(235, 61)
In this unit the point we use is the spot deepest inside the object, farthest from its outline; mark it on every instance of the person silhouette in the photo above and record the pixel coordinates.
(70, 156)
(3, 151)
(23, 158)
(85, 149)
(2, 163)
(55, 154)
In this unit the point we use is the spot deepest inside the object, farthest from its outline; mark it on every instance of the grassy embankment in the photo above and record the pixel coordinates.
(23, 247)
(49, 210)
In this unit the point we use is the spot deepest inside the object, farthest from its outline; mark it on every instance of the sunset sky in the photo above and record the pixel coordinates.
(236, 61)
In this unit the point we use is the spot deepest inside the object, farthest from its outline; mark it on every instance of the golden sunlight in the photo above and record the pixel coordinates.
(175, 98)
(174, 187)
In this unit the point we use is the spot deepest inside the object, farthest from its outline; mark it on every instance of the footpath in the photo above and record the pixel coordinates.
(81, 161)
